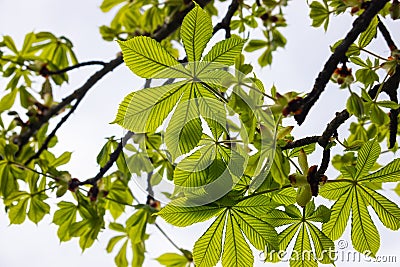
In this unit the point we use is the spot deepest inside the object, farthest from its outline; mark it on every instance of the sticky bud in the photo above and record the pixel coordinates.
(323, 179)
(93, 193)
(355, 105)
(298, 180)
(264, 16)
(73, 184)
(304, 195)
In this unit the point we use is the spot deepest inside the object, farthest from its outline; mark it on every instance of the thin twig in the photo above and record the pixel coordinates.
(386, 35)
(167, 237)
(46, 142)
(46, 72)
(301, 142)
(77, 94)
(226, 21)
(113, 157)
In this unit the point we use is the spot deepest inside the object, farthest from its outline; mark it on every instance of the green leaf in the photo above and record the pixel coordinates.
(30, 38)
(287, 235)
(181, 212)
(37, 209)
(172, 260)
(257, 206)
(120, 258)
(265, 58)
(9, 43)
(8, 183)
(17, 213)
(138, 251)
(358, 61)
(181, 137)
(192, 171)
(378, 116)
(145, 110)
(64, 217)
(213, 112)
(367, 156)
(254, 45)
(285, 196)
(208, 248)
(387, 211)
(355, 105)
(148, 59)
(322, 245)
(335, 227)
(107, 5)
(257, 231)
(370, 33)
(366, 76)
(104, 153)
(308, 149)
(64, 158)
(321, 214)
(279, 218)
(225, 52)
(388, 104)
(319, 14)
(196, 31)
(389, 173)
(113, 241)
(121, 193)
(136, 225)
(236, 250)
(8, 100)
(302, 254)
(364, 235)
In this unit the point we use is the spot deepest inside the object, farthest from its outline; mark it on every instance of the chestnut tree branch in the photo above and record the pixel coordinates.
(359, 26)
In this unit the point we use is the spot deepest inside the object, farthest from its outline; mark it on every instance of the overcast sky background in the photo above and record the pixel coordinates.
(294, 68)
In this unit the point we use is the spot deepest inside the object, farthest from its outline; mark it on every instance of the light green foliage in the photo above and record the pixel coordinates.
(353, 193)
(304, 226)
(320, 14)
(173, 259)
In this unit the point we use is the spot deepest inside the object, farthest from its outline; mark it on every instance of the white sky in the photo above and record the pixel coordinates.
(294, 68)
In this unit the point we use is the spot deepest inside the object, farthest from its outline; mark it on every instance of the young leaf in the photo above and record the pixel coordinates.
(364, 235)
(319, 14)
(387, 211)
(335, 227)
(370, 33)
(145, 110)
(389, 173)
(367, 156)
(225, 52)
(8, 100)
(208, 248)
(148, 59)
(181, 212)
(196, 31)
(173, 260)
(236, 250)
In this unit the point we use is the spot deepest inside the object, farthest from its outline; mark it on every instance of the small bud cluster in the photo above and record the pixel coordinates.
(343, 76)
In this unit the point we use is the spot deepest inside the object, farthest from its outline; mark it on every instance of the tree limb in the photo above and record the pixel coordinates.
(226, 21)
(46, 72)
(359, 26)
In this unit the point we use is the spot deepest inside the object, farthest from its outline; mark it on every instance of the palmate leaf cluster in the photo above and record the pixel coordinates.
(212, 130)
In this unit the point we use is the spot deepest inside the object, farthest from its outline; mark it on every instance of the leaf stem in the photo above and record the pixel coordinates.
(266, 191)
